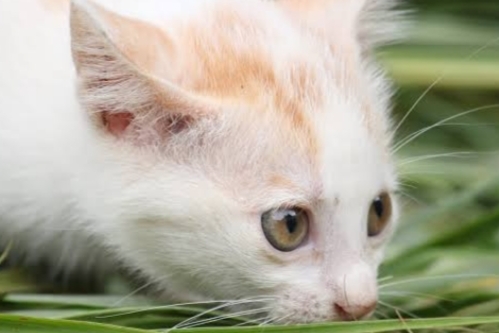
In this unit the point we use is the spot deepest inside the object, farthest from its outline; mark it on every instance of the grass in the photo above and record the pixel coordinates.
(442, 269)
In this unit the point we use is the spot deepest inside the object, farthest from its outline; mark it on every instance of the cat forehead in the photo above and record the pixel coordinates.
(319, 98)
(232, 49)
(298, 109)
(236, 52)
(265, 59)
(253, 53)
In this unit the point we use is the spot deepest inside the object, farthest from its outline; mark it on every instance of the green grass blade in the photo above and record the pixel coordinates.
(18, 324)
(359, 327)
(31, 325)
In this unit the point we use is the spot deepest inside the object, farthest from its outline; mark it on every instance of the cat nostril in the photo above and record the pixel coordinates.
(349, 313)
(342, 313)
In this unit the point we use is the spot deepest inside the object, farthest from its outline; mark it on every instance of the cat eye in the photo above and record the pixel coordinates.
(379, 214)
(285, 229)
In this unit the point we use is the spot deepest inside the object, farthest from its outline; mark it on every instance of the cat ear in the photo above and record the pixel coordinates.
(122, 68)
(350, 24)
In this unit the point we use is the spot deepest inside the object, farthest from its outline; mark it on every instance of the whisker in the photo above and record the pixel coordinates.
(223, 317)
(415, 294)
(433, 156)
(440, 78)
(421, 296)
(438, 277)
(137, 290)
(410, 197)
(404, 174)
(246, 301)
(472, 124)
(256, 320)
(274, 320)
(395, 308)
(411, 137)
(406, 184)
(442, 155)
(416, 103)
(168, 306)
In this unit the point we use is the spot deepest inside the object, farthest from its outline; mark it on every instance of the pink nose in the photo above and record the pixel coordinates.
(349, 312)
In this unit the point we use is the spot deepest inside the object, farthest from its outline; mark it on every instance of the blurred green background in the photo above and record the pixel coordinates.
(444, 260)
(450, 225)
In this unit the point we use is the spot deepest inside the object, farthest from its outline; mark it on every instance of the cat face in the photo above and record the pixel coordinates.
(252, 143)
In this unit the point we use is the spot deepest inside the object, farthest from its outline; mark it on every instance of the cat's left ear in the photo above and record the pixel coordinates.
(124, 67)
(349, 24)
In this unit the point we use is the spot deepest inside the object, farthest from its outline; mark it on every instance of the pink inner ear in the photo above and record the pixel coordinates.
(117, 123)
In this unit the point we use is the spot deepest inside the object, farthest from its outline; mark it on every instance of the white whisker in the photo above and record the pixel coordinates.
(438, 277)
(411, 137)
(137, 290)
(440, 78)
(405, 184)
(404, 174)
(274, 320)
(169, 306)
(414, 294)
(410, 197)
(256, 320)
(239, 302)
(456, 154)
(395, 308)
(471, 124)
(433, 156)
(223, 317)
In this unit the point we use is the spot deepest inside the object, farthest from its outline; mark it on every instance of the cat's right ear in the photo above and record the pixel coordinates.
(122, 67)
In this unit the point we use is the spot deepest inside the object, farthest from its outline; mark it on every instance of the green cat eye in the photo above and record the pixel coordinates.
(379, 215)
(285, 229)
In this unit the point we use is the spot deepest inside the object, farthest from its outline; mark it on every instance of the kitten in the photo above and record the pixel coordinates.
(224, 149)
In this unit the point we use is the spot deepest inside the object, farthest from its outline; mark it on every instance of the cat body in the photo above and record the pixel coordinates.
(189, 141)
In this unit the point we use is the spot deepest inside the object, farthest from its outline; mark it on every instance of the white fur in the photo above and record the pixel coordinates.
(188, 219)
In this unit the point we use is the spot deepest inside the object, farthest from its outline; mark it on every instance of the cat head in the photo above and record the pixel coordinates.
(248, 147)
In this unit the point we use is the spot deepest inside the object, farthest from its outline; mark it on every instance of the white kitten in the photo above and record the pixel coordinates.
(225, 149)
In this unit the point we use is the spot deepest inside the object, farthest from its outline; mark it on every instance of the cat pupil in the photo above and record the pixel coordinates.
(291, 223)
(378, 207)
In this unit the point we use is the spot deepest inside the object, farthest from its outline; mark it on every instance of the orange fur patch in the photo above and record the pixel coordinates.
(343, 42)
(220, 65)
(229, 58)
(279, 181)
(58, 6)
